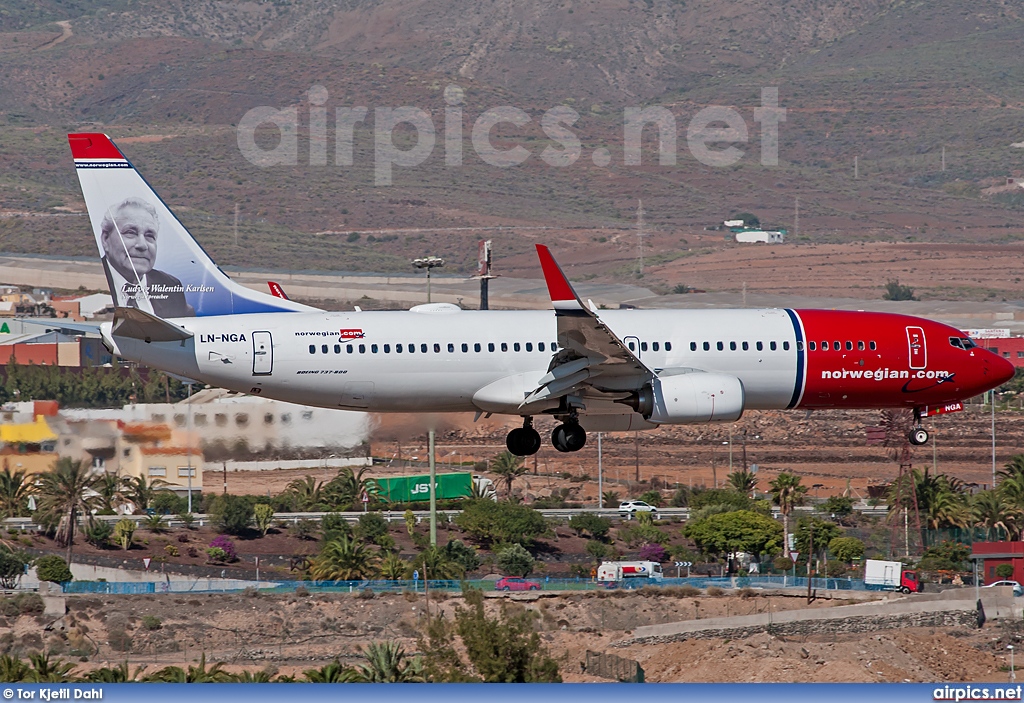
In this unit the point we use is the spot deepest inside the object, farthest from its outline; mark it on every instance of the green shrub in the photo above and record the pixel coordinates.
(263, 514)
(52, 568)
(598, 550)
(12, 566)
(491, 522)
(124, 532)
(653, 498)
(232, 514)
(371, 527)
(1004, 571)
(98, 532)
(151, 622)
(514, 560)
(597, 526)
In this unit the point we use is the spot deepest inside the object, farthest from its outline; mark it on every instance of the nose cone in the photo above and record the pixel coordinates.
(1003, 370)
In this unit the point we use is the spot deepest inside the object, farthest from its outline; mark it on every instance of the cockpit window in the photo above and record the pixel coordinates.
(962, 342)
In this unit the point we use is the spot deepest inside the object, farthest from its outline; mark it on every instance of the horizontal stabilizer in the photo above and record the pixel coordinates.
(139, 324)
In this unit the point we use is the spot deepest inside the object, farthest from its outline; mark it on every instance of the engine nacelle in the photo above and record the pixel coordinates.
(690, 398)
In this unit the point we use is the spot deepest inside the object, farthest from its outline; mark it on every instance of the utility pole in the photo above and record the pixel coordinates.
(992, 401)
(433, 494)
(943, 158)
(428, 263)
(236, 224)
(856, 170)
(796, 218)
(188, 439)
(600, 477)
(640, 234)
(810, 557)
(484, 272)
(636, 445)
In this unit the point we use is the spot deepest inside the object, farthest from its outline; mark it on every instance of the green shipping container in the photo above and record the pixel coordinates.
(404, 489)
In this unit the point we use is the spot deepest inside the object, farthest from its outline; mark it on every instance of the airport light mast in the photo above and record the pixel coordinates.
(428, 263)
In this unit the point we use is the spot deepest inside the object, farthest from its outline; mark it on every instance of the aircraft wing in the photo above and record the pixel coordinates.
(590, 354)
(59, 323)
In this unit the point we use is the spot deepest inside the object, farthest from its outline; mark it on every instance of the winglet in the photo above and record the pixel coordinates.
(563, 297)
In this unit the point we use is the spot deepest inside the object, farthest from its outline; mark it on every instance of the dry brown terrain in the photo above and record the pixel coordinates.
(291, 633)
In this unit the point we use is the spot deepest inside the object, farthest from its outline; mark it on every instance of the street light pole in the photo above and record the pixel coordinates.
(188, 450)
(1013, 674)
(428, 263)
(600, 480)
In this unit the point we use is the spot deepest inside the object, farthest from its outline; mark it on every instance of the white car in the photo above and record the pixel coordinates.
(631, 507)
(1018, 590)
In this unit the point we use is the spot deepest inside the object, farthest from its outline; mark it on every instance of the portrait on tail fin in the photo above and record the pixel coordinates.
(129, 234)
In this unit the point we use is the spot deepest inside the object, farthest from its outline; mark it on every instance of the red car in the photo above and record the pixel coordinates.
(511, 583)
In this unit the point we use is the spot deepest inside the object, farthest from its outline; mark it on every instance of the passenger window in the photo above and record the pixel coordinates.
(824, 346)
(540, 346)
(760, 346)
(490, 346)
(337, 348)
(799, 345)
(324, 348)
(465, 347)
(811, 346)
(554, 346)
(437, 348)
(668, 346)
(476, 347)
(771, 345)
(721, 347)
(312, 349)
(860, 345)
(849, 346)
(643, 346)
(362, 348)
(348, 348)
(387, 348)
(529, 346)
(732, 346)
(423, 348)
(654, 346)
(785, 346)
(373, 348)
(398, 348)
(632, 346)
(837, 346)
(451, 347)
(693, 346)
(516, 347)
(707, 346)
(871, 345)
(412, 348)
(746, 346)
(504, 346)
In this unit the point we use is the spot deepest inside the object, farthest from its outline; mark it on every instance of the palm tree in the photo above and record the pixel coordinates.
(307, 493)
(434, 563)
(117, 674)
(347, 487)
(386, 663)
(343, 559)
(989, 510)
(194, 674)
(509, 467)
(66, 492)
(743, 481)
(393, 567)
(14, 493)
(111, 488)
(14, 670)
(331, 673)
(610, 498)
(787, 493)
(45, 670)
(261, 676)
(141, 493)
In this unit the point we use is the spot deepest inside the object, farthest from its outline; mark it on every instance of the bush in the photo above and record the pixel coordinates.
(222, 550)
(598, 550)
(171, 550)
(839, 506)
(462, 554)
(232, 514)
(263, 514)
(188, 519)
(689, 591)
(334, 525)
(1004, 571)
(846, 549)
(305, 529)
(151, 622)
(653, 498)
(715, 591)
(12, 566)
(836, 569)
(652, 552)
(124, 533)
(98, 532)
(371, 527)
(955, 553)
(492, 522)
(169, 503)
(53, 569)
(782, 564)
(597, 526)
(514, 560)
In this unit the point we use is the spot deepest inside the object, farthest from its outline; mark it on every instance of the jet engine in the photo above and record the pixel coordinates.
(690, 398)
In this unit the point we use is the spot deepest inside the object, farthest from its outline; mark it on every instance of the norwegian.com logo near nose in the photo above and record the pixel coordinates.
(714, 135)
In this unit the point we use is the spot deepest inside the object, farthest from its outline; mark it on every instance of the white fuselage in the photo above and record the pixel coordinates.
(453, 360)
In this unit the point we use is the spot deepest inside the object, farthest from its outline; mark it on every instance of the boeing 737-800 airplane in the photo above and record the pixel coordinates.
(593, 370)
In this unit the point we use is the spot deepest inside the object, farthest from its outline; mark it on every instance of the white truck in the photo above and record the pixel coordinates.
(890, 576)
(614, 573)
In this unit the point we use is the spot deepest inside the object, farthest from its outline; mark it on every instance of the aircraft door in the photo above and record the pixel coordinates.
(918, 348)
(262, 354)
(633, 344)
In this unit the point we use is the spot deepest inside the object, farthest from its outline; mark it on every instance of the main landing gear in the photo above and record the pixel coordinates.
(918, 435)
(523, 441)
(569, 437)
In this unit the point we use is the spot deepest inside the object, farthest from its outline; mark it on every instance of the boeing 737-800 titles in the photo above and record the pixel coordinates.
(592, 370)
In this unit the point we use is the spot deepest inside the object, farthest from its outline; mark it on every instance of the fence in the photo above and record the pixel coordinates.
(610, 666)
(417, 586)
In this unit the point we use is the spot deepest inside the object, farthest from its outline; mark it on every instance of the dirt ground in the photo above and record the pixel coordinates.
(290, 633)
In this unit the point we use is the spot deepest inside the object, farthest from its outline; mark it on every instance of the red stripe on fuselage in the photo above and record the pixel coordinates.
(883, 377)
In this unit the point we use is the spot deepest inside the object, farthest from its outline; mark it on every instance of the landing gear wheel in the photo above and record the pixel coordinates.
(918, 436)
(523, 441)
(569, 437)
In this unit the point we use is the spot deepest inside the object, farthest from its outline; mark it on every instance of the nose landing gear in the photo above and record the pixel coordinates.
(525, 440)
(918, 435)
